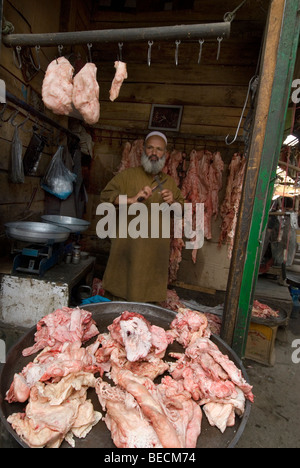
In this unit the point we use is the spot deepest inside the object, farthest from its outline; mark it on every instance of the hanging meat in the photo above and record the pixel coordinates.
(86, 93)
(202, 185)
(120, 76)
(131, 155)
(230, 207)
(57, 86)
(173, 160)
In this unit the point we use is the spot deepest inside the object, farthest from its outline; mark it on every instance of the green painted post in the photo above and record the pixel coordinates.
(267, 172)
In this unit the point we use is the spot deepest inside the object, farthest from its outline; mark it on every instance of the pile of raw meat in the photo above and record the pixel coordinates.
(139, 412)
(263, 311)
(61, 90)
(55, 383)
(174, 303)
(169, 413)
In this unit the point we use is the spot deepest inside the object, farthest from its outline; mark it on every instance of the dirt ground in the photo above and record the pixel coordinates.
(274, 417)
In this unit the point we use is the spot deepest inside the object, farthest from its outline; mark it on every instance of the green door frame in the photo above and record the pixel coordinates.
(260, 178)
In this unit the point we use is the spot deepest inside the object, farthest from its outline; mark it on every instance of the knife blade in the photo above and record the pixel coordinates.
(158, 186)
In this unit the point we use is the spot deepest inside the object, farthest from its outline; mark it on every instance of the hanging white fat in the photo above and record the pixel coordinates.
(136, 337)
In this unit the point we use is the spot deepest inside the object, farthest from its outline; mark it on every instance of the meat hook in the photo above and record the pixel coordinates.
(242, 115)
(14, 113)
(37, 68)
(120, 51)
(219, 39)
(89, 46)
(20, 124)
(177, 52)
(60, 49)
(150, 44)
(201, 42)
(18, 63)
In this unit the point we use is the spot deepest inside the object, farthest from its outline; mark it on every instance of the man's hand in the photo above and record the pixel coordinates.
(167, 196)
(144, 194)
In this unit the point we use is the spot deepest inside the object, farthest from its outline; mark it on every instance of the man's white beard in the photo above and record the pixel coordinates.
(153, 167)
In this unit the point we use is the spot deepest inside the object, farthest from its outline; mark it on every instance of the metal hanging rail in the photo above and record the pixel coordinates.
(42, 117)
(163, 33)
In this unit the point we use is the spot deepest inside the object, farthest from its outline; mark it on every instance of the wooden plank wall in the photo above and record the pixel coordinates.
(212, 93)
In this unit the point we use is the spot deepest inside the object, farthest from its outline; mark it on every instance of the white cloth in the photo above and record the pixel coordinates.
(161, 135)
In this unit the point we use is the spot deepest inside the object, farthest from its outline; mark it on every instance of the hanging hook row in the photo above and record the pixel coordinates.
(18, 60)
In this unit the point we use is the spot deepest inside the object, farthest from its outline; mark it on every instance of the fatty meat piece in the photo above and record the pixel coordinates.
(207, 380)
(112, 352)
(124, 419)
(51, 364)
(120, 76)
(57, 86)
(86, 94)
(62, 326)
(184, 413)
(220, 415)
(138, 336)
(188, 326)
(144, 392)
(56, 411)
(132, 331)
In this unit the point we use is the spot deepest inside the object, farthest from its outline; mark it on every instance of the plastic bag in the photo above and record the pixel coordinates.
(16, 169)
(58, 179)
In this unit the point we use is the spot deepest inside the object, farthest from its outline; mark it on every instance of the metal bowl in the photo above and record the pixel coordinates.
(74, 224)
(100, 437)
(40, 233)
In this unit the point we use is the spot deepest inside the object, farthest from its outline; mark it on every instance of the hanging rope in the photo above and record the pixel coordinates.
(230, 16)
(7, 27)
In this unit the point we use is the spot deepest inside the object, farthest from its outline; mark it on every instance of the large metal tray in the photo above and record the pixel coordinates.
(74, 224)
(99, 437)
(40, 233)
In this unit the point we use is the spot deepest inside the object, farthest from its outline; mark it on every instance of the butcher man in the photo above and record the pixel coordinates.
(137, 269)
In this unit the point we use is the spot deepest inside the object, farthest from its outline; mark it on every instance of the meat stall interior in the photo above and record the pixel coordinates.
(200, 91)
(215, 77)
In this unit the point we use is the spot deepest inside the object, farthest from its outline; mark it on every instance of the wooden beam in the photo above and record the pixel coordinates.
(289, 166)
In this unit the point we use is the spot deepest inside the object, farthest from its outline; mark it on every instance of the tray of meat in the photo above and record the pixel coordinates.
(123, 374)
(271, 314)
